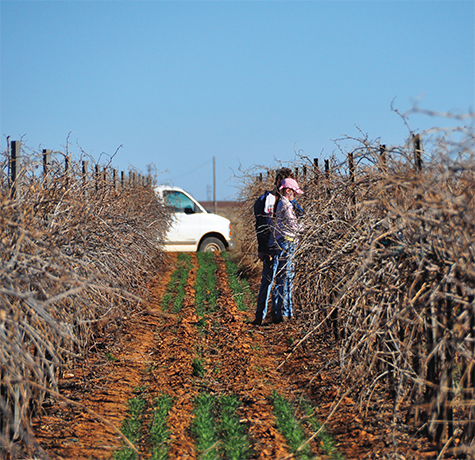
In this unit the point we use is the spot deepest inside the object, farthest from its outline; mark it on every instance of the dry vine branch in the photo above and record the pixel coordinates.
(386, 265)
(75, 259)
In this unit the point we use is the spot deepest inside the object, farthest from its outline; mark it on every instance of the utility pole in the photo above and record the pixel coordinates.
(214, 186)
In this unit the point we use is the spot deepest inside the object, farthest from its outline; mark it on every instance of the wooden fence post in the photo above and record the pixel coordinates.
(351, 167)
(417, 151)
(85, 166)
(96, 176)
(316, 171)
(67, 169)
(122, 179)
(46, 166)
(382, 158)
(15, 162)
(84, 172)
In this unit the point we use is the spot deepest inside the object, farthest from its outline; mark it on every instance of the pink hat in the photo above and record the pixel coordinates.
(291, 183)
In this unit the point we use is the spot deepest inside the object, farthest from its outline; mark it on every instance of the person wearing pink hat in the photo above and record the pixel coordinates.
(287, 229)
(263, 212)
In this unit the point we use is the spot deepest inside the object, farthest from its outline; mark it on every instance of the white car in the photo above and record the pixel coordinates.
(193, 228)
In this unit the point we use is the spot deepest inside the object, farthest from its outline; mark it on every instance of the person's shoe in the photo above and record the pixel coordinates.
(257, 322)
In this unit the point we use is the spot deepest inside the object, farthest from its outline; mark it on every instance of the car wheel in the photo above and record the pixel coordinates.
(211, 244)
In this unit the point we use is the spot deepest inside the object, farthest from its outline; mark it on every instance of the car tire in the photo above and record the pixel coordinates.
(211, 244)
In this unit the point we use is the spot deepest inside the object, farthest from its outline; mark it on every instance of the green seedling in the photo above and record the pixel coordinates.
(159, 433)
(328, 444)
(201, 324)
(235, 444)
(290, 427)
(198, 368)
(203, 427)
(175, 292)
(239, 286)
(110, 357)
(206, 292)
(150, 368)
(132, 427)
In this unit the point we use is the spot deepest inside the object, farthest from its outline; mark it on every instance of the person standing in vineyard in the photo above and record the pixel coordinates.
(263, 213)
(287, 229)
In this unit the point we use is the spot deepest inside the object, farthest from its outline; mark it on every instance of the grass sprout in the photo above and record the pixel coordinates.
(204, 427)
(198, 367)
(159, 433)
(175, 293)
(239, 286)
(132, 427)
(206, 291)
(290, 427)
(235, 444)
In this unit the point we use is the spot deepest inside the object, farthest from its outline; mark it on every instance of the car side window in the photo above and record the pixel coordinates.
(179, 202)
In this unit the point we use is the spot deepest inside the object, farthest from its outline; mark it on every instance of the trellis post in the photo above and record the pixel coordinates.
(351, 166)
(85, 166)
(382, 157)
(316, 171)
(67, 168)
(15, 162)
(416, 138)
(46, 166)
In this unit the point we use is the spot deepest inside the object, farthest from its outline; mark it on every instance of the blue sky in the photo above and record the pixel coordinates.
(176, 83)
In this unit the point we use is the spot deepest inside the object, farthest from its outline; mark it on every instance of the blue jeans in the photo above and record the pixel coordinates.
(269, 267)
(284, 280)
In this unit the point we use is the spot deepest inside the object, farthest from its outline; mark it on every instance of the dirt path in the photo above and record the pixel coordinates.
(156, 354)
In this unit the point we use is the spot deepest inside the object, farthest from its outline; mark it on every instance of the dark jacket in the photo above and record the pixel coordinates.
(263, 230)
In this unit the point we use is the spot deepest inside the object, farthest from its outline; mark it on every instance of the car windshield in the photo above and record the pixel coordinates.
(178, 201)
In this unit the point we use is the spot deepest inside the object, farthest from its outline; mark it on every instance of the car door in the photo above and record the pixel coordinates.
(186, 225)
